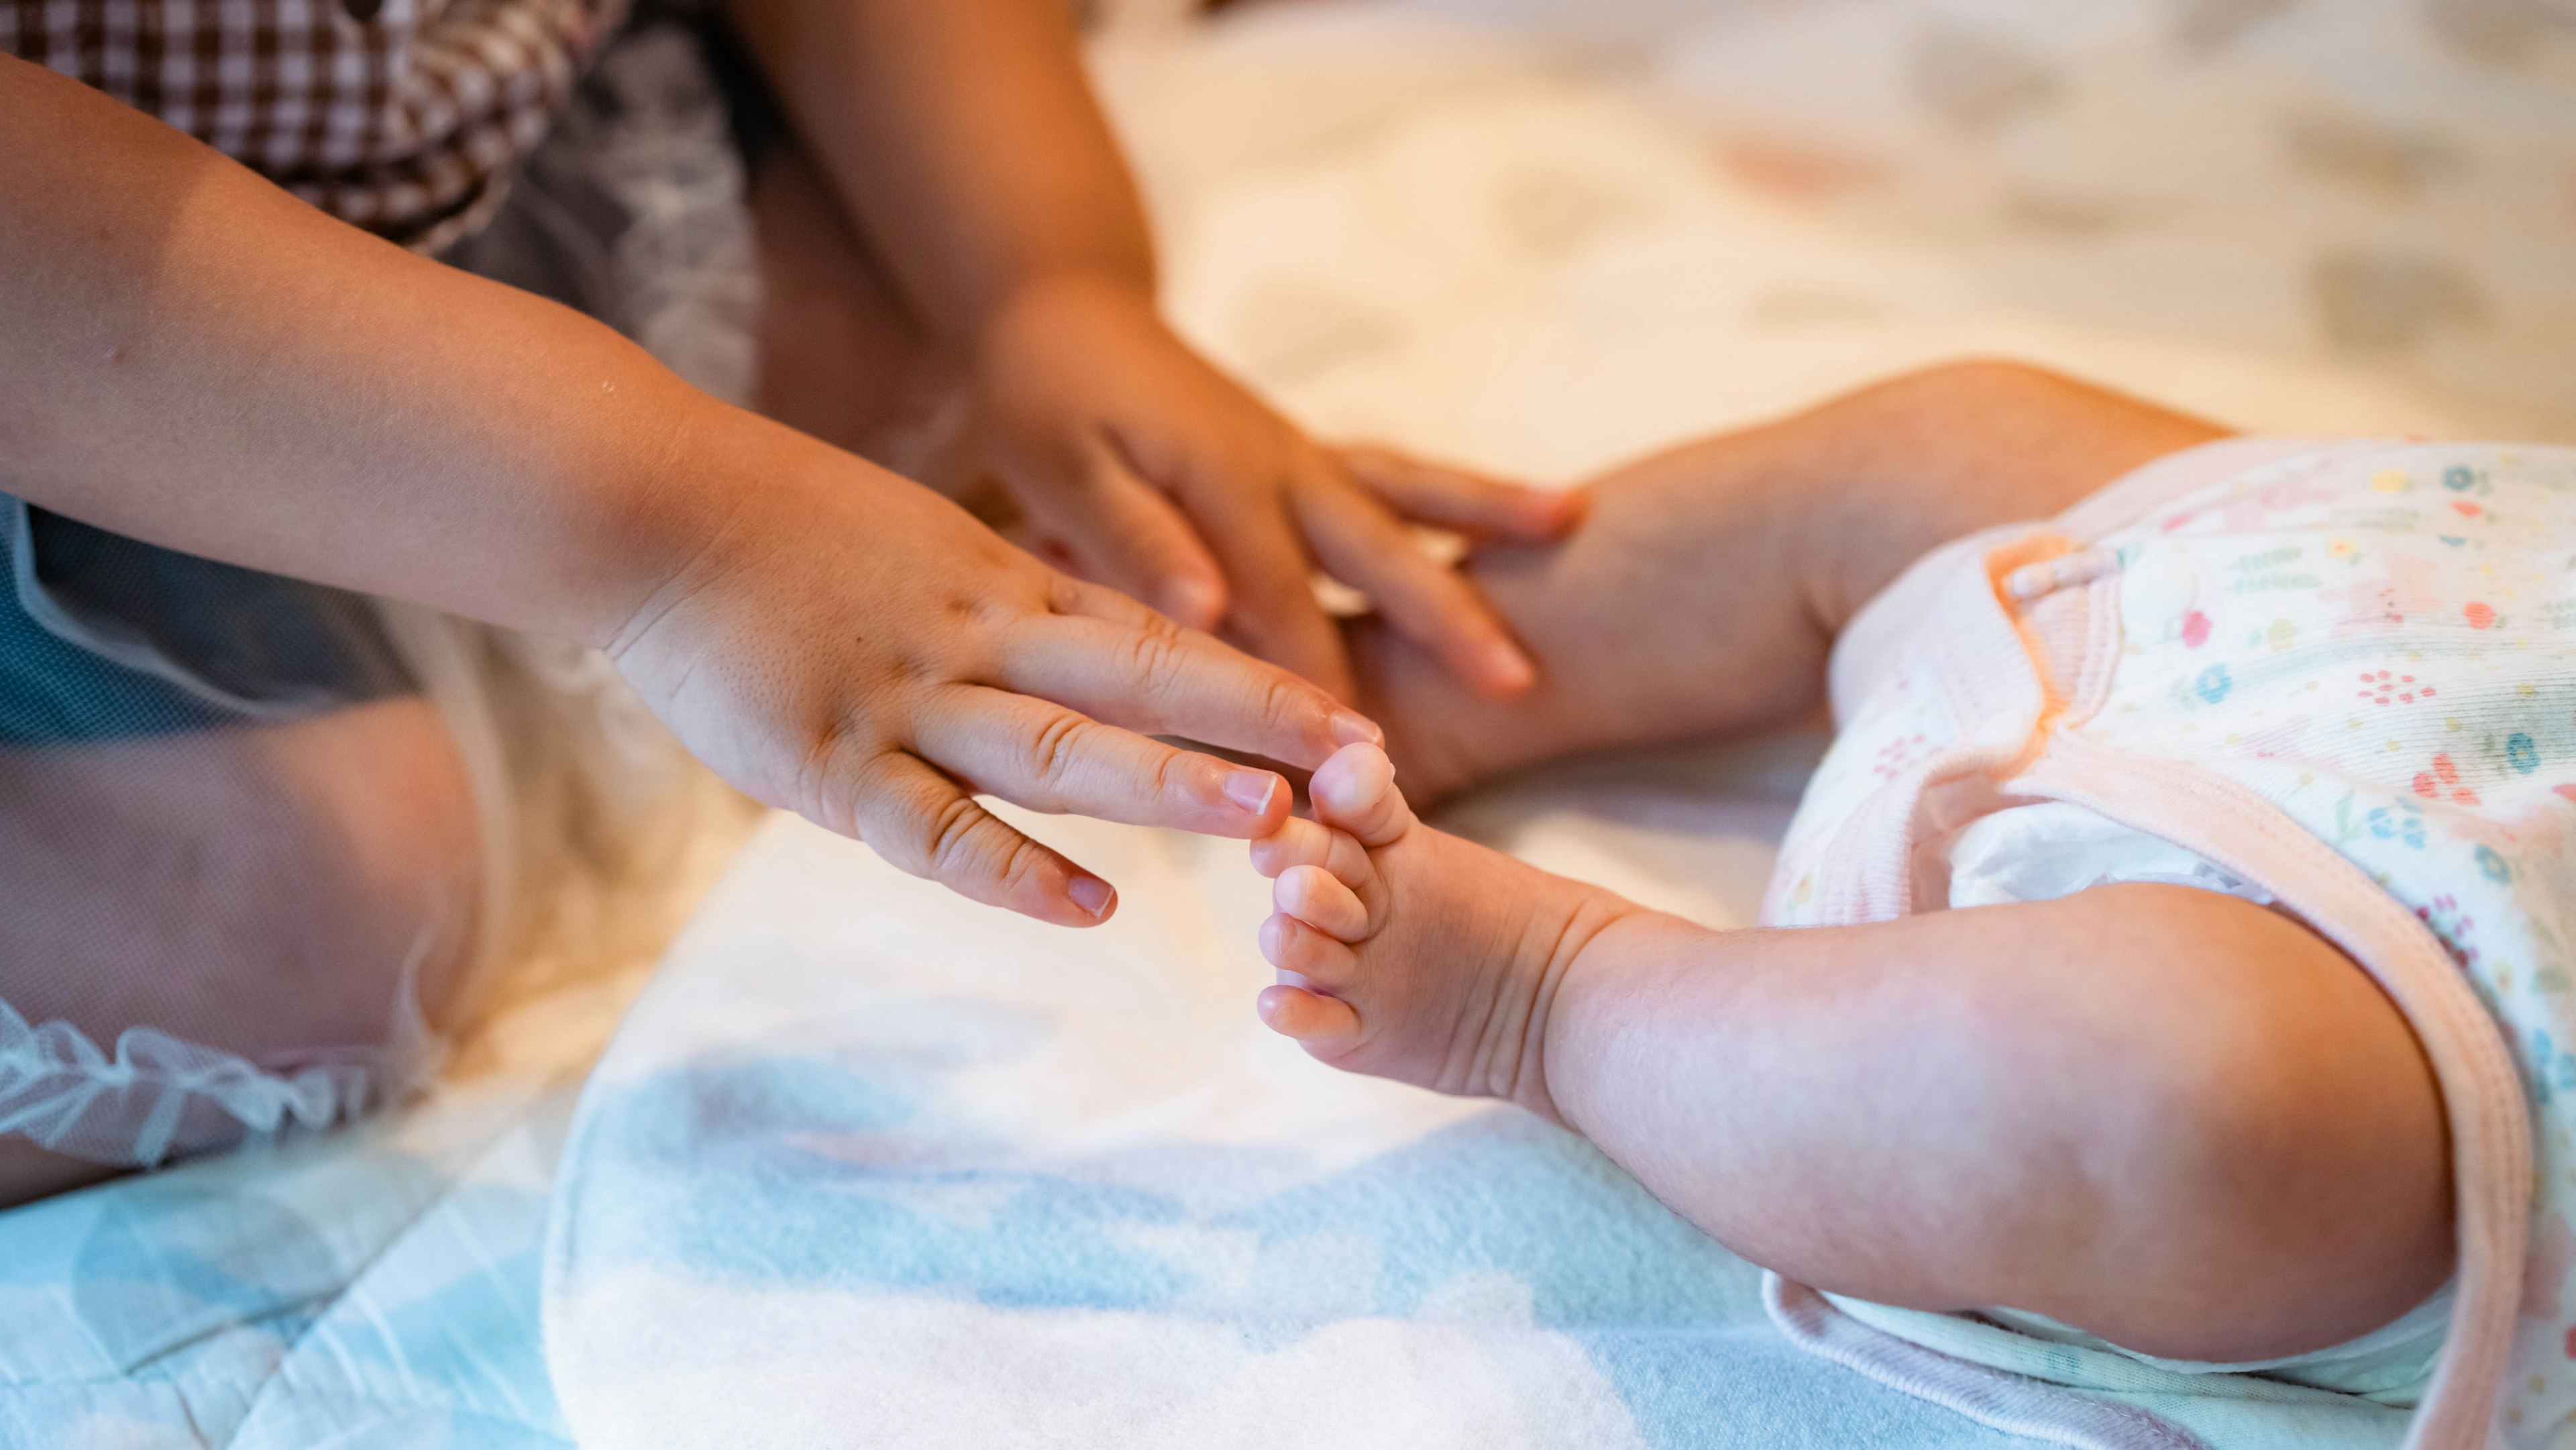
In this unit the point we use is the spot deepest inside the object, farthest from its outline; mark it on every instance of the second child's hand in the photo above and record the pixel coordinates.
(964, 143)
(1149, 469)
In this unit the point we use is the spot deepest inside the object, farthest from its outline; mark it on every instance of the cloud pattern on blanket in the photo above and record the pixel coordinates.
(736, 1173)
(372, 1288)
(1499, 1194)
(804, 1202)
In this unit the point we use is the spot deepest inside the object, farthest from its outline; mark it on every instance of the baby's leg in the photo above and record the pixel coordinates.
(2170, 1117)
(256, 889)
(1706, 584)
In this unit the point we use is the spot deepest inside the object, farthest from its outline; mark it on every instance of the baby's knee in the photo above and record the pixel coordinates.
(2269, 1170)
(1981, 384)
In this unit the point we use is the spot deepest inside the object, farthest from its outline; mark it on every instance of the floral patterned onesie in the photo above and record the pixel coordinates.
(2336, 677)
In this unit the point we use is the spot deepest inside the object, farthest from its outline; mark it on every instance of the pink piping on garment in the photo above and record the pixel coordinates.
(1867, 876)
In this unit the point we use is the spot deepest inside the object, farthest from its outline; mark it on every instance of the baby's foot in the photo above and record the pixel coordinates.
(1408, 953)
(1706, 585)
(1676, 612)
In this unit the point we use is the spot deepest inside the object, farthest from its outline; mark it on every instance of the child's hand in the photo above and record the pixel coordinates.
(1146, 468)
(858, 650)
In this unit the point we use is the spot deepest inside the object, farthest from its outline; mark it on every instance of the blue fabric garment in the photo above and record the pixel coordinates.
(103, 637)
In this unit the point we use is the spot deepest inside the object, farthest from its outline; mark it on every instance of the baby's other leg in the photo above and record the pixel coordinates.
(1677, 609)
(256, 889)
(1705, 587)
(2170, 1117)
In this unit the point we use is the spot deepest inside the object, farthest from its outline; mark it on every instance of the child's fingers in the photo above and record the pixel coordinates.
(1300, 842)
(1310, 894)
(1270, 575)
(923, 822)
(1143, 673)
(1293, 946)
(1426, 601)
(1355, 792)
(1297, 1013)
(1048, 758)
(1435, 493)
(1123, 531)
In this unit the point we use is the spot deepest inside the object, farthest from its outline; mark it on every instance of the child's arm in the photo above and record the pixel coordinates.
(191, 356)
(2173, 1118)
(963, 138)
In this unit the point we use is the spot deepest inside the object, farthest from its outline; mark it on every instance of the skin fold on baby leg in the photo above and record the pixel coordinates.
(2170, 1117)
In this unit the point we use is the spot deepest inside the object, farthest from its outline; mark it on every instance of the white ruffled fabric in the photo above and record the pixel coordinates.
(161, 1097)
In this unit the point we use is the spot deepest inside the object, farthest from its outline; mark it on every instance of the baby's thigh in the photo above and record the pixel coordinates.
(2257, 1109)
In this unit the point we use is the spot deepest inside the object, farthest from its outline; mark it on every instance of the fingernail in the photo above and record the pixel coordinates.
(1091, 894)
(1251, 789)
(1350, 729)
(1511, 670)
(1554, 514)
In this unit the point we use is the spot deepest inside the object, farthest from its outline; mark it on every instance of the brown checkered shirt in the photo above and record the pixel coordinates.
(405, 117)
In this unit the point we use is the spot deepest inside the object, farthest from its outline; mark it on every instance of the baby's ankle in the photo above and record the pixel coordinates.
(1570, 949)
(1618, 953)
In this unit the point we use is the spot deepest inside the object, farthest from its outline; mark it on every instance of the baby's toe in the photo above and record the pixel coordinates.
(1293, 946)
(1310, 1019)
(1355, 791)
(1310, 894)
(1300, 842)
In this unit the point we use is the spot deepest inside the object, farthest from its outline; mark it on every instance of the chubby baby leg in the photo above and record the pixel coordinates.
(2175, 1119)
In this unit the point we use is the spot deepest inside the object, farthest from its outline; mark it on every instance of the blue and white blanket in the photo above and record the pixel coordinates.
(862, 1169)
(375, 1288)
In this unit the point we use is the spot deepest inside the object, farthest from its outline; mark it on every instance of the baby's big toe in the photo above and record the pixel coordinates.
(1355, 791)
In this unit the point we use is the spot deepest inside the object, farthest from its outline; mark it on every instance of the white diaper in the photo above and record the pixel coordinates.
(2053, 849)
